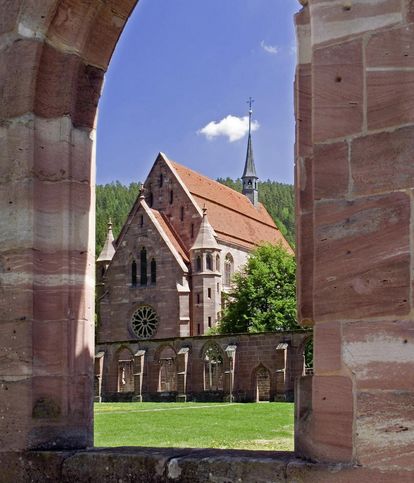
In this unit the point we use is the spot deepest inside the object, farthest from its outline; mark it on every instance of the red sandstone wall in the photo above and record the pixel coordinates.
(253, 351)
(354, 159)
(122, 299)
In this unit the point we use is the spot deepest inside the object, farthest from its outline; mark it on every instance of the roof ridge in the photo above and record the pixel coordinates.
(241, 196)
(237, 211)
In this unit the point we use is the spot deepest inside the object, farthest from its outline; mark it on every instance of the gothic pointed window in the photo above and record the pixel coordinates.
(228, 269)
(198, 264)
(151, 199)
(153, 271)
(134, 273)
(161, 180)
(144, 277)
(171, 197)
(217, 263)
(209, 262)
(182, 213)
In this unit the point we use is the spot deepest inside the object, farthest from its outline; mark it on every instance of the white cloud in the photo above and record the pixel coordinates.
(270, 49)
(232, 127)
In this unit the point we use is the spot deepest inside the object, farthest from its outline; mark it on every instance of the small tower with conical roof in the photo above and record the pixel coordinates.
(249, 178)
(105, 258)
(206, 278)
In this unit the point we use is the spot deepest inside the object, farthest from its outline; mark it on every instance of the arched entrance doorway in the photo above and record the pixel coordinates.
(262, 384)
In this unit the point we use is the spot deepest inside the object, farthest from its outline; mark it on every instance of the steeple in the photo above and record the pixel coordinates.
(108, 249)
(249, 177)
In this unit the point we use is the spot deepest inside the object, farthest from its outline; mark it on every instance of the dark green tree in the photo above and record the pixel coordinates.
(263, 295)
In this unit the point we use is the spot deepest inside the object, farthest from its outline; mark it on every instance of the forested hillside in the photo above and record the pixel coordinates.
(115, 200)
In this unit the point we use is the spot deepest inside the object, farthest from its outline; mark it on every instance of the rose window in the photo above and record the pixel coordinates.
(144, 322)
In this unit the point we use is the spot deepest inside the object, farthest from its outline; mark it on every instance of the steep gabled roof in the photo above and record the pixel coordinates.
(232, 216)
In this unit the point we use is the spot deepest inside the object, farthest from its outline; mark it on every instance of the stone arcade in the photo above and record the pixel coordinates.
(354, 173)
(243, 368)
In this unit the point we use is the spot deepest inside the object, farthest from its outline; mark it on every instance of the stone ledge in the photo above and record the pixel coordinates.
(174, 465)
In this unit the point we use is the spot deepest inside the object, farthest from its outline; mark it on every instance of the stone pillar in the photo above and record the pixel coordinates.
(355, 235)
(49, 93)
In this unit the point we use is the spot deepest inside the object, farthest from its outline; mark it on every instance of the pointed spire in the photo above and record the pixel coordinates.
(250, 177)
(206, 238)
(249, 167)
(108, 249)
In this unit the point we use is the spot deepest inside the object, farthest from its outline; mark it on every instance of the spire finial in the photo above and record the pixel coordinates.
(250, 102)
(204, 210)
(109, 223)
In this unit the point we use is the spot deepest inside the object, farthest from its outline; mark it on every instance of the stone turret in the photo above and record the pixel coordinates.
(106, 255)
(206, 278)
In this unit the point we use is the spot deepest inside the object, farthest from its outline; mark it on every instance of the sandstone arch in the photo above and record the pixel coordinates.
(354, 221)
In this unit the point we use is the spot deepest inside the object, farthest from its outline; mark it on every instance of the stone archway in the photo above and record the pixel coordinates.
(354, 205)
(53, 55)
(262, 383)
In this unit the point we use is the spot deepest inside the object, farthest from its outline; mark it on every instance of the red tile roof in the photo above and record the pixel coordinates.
(230, 213)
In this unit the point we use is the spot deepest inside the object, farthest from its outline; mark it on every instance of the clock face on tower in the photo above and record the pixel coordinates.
(144, 322)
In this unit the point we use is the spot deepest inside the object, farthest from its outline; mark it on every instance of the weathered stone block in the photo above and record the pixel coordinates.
(16, 149)
(18, 77)
(61, 151)
(15, 412)
(67, 86)
(9, 14)
(391, 48)
(304, 180)
(331, 171)
(380, 354)
(332, 20)
(337, 75)
(385, 429)
(16, 347)
(332, 418)
(383, 162)
(362, 257)
(305, 269)
(390, 98)
(327, 347)
(303, 100)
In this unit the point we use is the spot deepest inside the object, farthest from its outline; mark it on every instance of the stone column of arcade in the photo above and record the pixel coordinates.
(53, 55)
(355, 175)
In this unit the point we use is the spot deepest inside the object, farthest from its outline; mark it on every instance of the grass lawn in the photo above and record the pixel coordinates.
(264, 426)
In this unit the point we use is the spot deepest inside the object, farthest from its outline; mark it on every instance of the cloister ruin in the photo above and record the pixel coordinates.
(354, 185)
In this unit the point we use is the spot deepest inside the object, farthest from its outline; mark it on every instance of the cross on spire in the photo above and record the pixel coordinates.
(250, 102)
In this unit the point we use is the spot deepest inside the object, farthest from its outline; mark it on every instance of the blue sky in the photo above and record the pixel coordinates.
(180, 68)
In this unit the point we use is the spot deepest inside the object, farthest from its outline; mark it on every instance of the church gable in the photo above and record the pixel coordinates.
(148, 270)
(166, 193)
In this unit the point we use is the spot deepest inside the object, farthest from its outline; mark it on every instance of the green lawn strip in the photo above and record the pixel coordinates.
(242, 426)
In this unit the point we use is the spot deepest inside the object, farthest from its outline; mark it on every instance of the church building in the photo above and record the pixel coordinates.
(175, 256)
